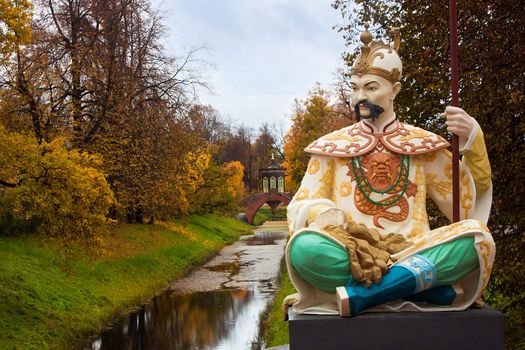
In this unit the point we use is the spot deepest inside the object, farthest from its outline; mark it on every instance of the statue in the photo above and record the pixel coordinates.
(360, 237)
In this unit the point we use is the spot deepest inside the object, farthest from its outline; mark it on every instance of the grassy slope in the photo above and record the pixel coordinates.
(42, 307)
(275, 330)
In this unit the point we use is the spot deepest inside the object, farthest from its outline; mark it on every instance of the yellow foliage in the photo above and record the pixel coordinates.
(15, 30)
(221, 189)
(235, 172)
(169, 197)
(312, 118)
(195, 163)
(46, 187)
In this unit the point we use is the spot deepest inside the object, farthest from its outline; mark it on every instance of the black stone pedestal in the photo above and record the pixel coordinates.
(471, 329)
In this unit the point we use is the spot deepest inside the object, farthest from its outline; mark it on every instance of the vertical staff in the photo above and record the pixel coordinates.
(455, 103)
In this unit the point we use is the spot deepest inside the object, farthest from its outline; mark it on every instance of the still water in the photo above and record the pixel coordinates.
(215, 307)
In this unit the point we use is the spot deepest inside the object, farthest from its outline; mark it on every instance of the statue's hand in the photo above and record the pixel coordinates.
(330, 216)
(459, 123)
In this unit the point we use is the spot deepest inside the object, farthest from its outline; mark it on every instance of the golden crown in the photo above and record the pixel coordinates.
(379, 58)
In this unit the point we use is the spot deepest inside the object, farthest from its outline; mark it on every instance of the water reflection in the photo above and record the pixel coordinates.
(183, 321)
(265, 238)
(215, 307)
(230, 267)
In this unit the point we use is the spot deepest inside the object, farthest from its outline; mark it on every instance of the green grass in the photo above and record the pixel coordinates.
(264, 214)
(273, 328)
(44, 307)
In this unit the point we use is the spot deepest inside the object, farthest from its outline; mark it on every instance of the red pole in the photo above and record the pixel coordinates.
(455, 102)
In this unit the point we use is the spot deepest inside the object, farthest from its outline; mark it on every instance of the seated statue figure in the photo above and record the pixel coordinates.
(360, 236)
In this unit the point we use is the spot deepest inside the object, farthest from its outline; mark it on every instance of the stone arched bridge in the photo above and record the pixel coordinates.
(253, 203)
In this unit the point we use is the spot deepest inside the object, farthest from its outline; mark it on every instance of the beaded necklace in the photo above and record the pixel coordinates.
(382, 203)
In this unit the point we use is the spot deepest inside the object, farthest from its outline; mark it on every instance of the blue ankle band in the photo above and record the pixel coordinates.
(423, 270)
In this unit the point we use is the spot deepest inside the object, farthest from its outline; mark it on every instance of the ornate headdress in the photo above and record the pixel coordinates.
(379, 58)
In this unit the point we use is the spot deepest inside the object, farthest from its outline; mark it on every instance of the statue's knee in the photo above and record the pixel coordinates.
(320, 261)
(304, 251)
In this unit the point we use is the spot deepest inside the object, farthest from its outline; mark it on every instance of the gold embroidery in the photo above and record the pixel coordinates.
(299, 205)
(448, 170)
(485, 248)
(313, 166)
(429, 157)
(415, 134)
(454, 229)
(466, 198)
(302, 194)
(483, 226)
(345, 189)
(419, 213)
(444, 188)
(326, 190)
(341, 135)
(342, 161)
(443, 233)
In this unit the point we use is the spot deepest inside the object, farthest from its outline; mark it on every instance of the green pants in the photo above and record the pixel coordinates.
(325, 265)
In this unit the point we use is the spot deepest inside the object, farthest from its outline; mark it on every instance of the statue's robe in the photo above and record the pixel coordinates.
(330, 182)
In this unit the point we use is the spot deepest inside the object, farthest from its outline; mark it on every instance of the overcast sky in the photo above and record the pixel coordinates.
(265, 53)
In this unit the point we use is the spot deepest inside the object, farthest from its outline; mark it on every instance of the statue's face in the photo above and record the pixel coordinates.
(374, 89)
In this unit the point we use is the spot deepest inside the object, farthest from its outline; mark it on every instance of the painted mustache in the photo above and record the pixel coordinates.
(375, 110)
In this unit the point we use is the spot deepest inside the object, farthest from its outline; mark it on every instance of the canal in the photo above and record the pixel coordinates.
(217, 306)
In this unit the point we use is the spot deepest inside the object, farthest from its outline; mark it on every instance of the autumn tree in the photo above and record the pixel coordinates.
(96, 74)
(235, 172)
(491, 90)
(343, 105)
(100, 58)
(238, 147)
(311, 119)
(206, 123)
(15, 29)
(221, 186)
(220, 191)
(61, 194)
